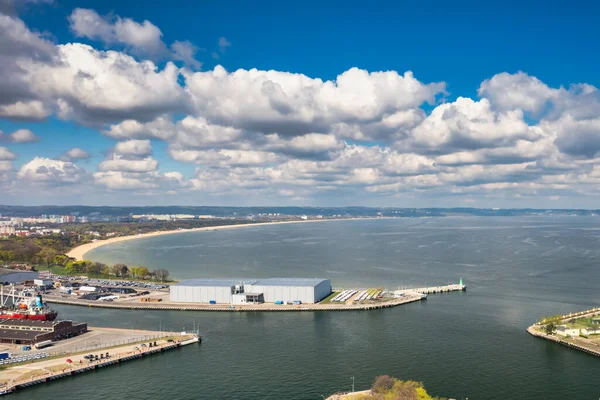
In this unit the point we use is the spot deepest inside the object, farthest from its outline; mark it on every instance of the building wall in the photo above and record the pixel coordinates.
(201, 294)
(223, 294)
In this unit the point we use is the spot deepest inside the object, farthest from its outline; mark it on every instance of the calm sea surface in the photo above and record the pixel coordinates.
(470, 344)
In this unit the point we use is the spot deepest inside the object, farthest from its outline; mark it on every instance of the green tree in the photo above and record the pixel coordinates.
(143, 272)
(47, 255)
(550, 328)
(134, 271)
(61, 260)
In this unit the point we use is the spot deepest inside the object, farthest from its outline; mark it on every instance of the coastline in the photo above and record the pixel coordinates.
(79, 252)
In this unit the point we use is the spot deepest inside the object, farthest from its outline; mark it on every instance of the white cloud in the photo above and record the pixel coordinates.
(134, 148)
(516, 91)
(6, 154)
(76, 154)
(120, 180)
(147, 164)
(468, 124)
(294, 104)
(144, 39)
(5, 166)
(23, 136)
(94, 86)
(28, 110)
(50, 171)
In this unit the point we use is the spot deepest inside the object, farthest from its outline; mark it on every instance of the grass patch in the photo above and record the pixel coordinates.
(330, 297)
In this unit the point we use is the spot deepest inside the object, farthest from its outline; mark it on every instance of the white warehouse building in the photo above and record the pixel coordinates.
(243, 291)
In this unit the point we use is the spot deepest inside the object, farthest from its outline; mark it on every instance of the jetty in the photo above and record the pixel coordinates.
(440, 289)
(458, 287)
(408, 297)
(76, 364)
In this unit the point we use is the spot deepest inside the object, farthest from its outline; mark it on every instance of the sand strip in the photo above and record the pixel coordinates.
(79, 252)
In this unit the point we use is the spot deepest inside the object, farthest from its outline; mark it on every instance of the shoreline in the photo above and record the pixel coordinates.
(79, 252)
(556, 339)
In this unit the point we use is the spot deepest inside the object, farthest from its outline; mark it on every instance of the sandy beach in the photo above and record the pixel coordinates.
(79, 252)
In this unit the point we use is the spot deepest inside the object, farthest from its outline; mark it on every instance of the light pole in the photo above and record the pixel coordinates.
(352, 377)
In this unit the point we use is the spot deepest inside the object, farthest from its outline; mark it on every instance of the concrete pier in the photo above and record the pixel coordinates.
(170, 306)
(76, 368)
(437, 289)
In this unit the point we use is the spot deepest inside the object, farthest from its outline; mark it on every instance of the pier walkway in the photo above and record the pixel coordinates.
(436, 289)
(75, 364)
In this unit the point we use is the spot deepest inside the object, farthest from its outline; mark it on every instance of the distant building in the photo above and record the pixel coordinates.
(591, 330)
(564, 330)
(241, 291)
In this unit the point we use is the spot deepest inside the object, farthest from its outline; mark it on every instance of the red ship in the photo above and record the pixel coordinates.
(25, 307)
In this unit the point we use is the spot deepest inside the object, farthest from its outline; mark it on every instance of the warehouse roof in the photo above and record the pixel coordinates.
(12, 334)
(220, 282)
(290, 281)
(33, 323)
(228, 282)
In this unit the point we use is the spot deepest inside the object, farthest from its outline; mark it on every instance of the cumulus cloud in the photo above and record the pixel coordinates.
(6, 154)
(120, 180)
(144, 39)
(134, 148)
(147, 164)
(274, 134)
(92, 86)
(75, 154)
(50, 171)
(29, 110)
(23, 136)
(18, 47)
(294, 104)
(468, 124)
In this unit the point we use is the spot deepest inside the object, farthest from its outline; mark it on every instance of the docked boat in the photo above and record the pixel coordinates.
(20, 306)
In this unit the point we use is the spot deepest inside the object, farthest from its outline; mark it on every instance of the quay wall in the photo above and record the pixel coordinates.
(227, 308)
(79, 369)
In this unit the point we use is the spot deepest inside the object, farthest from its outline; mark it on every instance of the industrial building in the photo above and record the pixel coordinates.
(28, 331)
(248, 291)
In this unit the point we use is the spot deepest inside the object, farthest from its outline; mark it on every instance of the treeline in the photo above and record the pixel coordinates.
(38, 250)
(98, 269)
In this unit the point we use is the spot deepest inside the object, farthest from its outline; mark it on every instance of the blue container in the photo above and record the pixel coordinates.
(279, 302)
(4, 356)
(212, 302)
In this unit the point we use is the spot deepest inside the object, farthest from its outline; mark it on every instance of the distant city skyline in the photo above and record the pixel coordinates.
(311, 104)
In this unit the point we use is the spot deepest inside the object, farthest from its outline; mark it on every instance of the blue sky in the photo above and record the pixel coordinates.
(537, 143)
